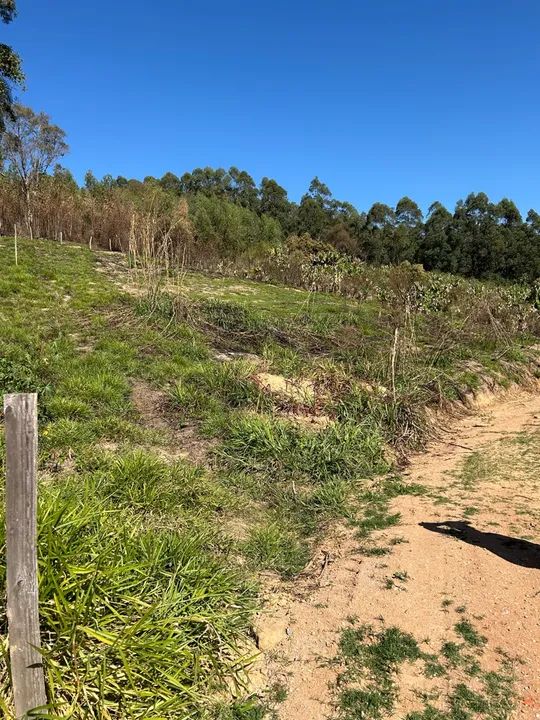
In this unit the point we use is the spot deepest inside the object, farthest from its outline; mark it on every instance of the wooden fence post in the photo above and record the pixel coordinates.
(20, 417)
(16, 249)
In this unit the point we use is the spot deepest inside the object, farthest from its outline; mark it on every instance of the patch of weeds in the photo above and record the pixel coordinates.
(396, 580)
(146, 482)
(452, 652)
(379, 652)
(365, 704)
(375, 551)
(284, 360)
(119, 600)
(278, 693)
(376, 519)
(331, 496)
(465, 701)
(368, 687)
(499, 689)
(477, 467)
(394, 487)
(233, 324)
(428, 713)
(268, 445)
(375, 504)
(372, 659)
(523, 438)
(248, 709)
(469, 633)
(433, 667)
(204, 385)
(401, 575)
(274, 548)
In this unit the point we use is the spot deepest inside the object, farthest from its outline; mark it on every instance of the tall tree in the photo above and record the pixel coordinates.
(273, 201)
(31, 144)
(508, 213)
(435, 251)
(408, 213)
(11, 73)
(475, 231)
(243, 190)
(408, 227)
(315, 213)
(319, 192)
(379, 234)
(171, 183)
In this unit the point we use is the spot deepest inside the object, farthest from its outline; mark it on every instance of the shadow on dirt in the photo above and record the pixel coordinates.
(514, 550)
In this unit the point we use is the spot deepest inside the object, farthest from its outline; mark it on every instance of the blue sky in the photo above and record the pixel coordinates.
(379, 98)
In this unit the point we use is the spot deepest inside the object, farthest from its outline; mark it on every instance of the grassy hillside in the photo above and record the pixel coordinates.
(195, 431)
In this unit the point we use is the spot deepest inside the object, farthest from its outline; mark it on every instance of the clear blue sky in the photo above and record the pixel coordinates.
(379, 98)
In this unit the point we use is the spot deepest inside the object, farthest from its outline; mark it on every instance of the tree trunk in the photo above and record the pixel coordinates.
(28, 209)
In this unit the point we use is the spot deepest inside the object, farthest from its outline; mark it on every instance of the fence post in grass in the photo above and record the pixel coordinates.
(20, 418)
(16, 250)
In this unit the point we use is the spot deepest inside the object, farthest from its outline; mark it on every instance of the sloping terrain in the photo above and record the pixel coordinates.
(201, 439)
(463, 560)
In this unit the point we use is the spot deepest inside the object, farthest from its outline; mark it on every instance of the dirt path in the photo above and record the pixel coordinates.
(481, 473)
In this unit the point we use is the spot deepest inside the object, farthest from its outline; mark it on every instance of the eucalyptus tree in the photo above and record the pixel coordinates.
(31, 145)
(11, 74)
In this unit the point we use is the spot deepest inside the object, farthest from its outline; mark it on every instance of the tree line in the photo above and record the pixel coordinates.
(217, 213)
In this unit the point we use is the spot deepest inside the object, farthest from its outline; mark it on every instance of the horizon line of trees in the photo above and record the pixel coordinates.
(223, 213)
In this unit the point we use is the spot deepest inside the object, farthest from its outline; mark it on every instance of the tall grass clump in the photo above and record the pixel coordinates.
(136, 623)
(205, 386)
(273, 446)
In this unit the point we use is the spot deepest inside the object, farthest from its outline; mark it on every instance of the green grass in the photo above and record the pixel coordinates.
(119, 511)
(134, 569)
(118, 599)
(272, 547)
(476, 468)
(371, 659)
(368, 686)
(467, 631)
(139, 562)
(272, 300)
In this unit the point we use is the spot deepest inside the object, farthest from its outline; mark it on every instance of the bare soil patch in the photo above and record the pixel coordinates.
(472, 542)
(297, 390)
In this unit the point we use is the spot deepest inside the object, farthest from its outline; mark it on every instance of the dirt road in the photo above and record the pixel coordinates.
(456, 551)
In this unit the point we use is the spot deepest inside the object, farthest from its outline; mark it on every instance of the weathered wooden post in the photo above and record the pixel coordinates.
(16, 249)
(20, 418)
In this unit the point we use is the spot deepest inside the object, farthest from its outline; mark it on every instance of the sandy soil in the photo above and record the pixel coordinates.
(476, 567)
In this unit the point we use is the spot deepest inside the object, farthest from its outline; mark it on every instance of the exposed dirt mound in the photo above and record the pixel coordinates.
(297, 390)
